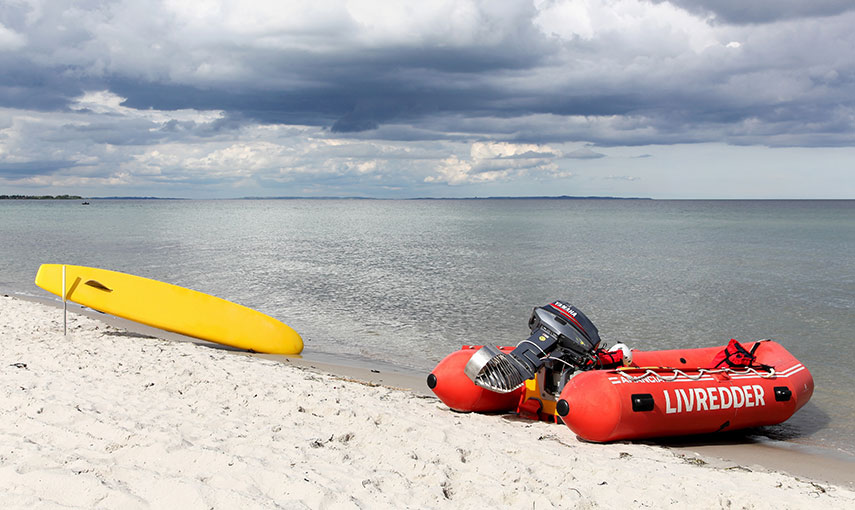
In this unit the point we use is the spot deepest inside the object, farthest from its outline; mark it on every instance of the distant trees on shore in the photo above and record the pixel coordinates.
(40, 197)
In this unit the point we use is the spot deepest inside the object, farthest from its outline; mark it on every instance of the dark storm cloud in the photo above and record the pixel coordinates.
(31, 168)
(101, 45)
(350, 90)
(353, 90)
(763, 11)
(24, 84)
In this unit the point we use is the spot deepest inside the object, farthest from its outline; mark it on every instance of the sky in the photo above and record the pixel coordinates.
(428, 98)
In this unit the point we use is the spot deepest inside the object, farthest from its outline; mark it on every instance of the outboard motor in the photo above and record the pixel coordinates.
(560, 333)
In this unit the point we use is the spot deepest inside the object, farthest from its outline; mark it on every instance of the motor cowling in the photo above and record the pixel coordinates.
(575, 334)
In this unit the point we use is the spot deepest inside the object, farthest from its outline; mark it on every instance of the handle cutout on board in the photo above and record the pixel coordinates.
(98, 285)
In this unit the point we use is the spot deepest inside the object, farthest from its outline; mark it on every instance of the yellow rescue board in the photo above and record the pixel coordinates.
(170, 307)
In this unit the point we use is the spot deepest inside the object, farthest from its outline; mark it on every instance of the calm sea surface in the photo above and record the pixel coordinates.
(406, 282)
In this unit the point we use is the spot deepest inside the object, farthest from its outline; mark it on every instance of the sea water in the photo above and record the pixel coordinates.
(406, 282)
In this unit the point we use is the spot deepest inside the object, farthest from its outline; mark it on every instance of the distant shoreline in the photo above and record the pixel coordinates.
(538, 197)
(40, 197)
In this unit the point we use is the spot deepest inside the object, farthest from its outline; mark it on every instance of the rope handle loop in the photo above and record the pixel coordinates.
(677, 373)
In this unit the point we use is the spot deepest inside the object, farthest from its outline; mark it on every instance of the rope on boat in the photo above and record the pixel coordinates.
(677, 373)
(770, 371)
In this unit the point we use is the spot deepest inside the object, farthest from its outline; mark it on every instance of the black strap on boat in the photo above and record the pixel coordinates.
(754, 357)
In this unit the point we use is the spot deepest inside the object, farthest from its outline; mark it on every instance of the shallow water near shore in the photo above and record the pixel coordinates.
(406, 282)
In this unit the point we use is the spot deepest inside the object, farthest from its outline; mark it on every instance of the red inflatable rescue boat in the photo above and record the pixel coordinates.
(561, 374)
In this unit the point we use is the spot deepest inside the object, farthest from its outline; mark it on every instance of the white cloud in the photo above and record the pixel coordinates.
(452, 171)
(494, 150)
(495, 161)
(107, 103)
(10, 40)
(630, 21)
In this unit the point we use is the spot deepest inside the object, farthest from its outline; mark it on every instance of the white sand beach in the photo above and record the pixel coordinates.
(106, 418)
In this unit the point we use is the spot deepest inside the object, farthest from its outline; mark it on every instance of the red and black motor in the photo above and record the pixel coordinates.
(562, 338)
